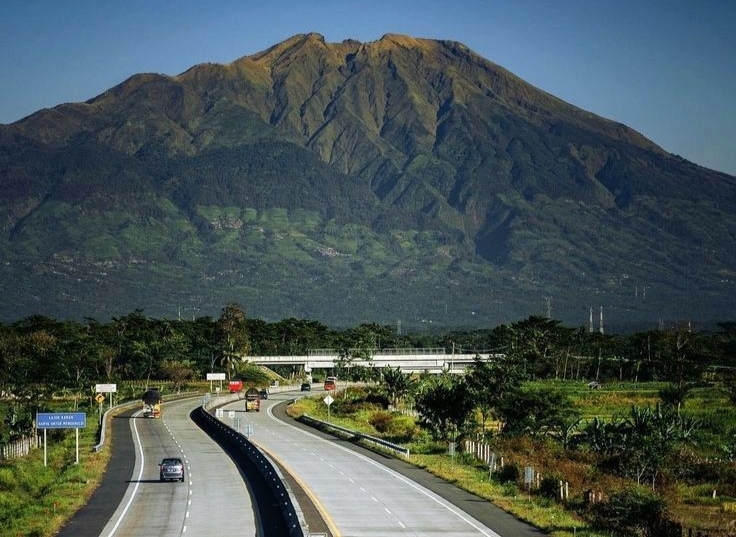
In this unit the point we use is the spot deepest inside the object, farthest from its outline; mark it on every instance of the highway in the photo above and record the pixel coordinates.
(364, 494)
(212, 483)
(343, 490)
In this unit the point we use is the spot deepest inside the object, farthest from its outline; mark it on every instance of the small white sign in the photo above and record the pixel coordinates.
(215, 376)
(328, 400)
(106, 388)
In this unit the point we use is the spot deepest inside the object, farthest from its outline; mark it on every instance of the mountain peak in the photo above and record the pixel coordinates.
(289, 47)
(403, 163)
(399, 39)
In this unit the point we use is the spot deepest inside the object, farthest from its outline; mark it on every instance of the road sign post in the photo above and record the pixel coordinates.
(100, 399)
(107, 388)
(328, 401)
(215, 376)
(60, 420)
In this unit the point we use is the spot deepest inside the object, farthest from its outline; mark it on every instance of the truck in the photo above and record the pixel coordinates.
(235, 386)
(252, 400)
(151, 404)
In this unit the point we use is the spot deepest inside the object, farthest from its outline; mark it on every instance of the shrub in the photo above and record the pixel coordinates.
(635, 511)
(510, 490)
(381, 421)
(550, 487)
(377, 399)
(430, 448)
(508, 473)
(403, 429)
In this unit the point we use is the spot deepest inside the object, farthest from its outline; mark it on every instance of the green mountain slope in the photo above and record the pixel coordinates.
(399, 180)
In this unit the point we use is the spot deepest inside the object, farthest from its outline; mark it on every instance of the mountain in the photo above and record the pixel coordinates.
(398, 181)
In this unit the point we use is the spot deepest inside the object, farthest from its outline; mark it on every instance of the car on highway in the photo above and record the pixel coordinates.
(171, 468)
(263, 393)
(306, 386)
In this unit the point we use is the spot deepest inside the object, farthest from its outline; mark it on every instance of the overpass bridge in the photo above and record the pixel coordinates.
(431, 360)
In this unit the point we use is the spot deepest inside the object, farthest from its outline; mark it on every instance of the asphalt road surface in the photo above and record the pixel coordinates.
(361, 493)
(343, 490)
(214, 499)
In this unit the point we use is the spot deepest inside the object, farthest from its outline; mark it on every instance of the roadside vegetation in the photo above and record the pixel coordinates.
(635, 468)
(35, 500)
(590, 434)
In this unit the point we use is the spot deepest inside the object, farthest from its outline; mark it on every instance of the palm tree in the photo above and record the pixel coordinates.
(230, 363)
(397, 384)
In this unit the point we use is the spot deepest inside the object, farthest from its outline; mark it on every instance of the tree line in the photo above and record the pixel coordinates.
(42, 357)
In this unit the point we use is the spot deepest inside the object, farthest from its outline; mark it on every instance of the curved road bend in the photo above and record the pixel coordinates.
(132, 502)
(365, 494)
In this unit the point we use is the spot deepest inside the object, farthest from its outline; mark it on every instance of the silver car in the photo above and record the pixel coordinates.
(171, 468)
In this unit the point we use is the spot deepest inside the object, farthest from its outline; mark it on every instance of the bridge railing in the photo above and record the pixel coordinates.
(408, 351)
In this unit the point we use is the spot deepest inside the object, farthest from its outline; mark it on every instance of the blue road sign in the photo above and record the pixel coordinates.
(61, 420)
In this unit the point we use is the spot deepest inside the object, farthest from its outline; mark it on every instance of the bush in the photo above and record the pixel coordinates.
(508, 473)
(550, 487)
(381, 421)
(403, 429)
(377, 399)
(430, 448)
(635, 511)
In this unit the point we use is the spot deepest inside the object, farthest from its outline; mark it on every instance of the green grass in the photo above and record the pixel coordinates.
(36, 500)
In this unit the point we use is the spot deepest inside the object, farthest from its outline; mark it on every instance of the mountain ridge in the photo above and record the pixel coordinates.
(409, 158)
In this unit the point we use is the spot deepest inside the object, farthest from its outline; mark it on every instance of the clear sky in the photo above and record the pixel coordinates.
(666, 68)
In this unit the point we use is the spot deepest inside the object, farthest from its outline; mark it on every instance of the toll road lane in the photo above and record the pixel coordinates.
(360, 497)
(212, 485)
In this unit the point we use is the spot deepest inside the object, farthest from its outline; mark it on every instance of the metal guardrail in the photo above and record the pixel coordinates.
(116, 408)
(401, 450)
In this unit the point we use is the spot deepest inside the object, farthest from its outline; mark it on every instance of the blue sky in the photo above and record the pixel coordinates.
(666, 68)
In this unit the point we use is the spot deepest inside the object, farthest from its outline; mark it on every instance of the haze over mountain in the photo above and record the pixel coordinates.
(402, 180)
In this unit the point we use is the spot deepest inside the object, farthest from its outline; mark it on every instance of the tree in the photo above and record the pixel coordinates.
(490, 381)
(537, 343)
(200, 337)
(232, 337)
(353, 345)
(177, 371)
(640, 444)
(682, 365)
(397, 384)
(252, 375)
(297, 336)
(445, 405)
(653, 435)
(535, 412)
(230, 363)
